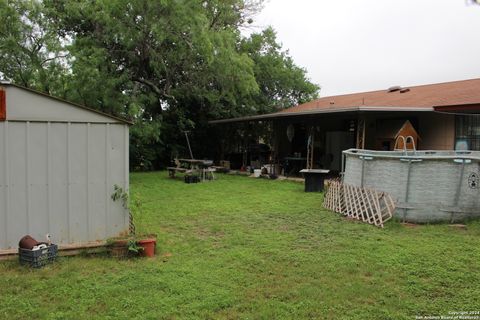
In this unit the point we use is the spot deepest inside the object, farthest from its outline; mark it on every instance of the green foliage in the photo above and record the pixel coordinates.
(145, 144)
(167, 65)
(31, 53)
(120, 194)
(282, 83)
(133, 247)
(241, 248)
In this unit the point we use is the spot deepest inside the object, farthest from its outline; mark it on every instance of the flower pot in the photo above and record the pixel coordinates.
(148, 246)
(27, 242)
(119, 248)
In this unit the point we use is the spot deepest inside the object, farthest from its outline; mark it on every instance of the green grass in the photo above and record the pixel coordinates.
(255, 249)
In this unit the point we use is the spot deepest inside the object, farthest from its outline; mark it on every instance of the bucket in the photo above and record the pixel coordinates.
(257, 172)
(148, 246)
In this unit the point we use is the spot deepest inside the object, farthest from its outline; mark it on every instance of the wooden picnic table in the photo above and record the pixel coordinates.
(196, 162)
(195, 166)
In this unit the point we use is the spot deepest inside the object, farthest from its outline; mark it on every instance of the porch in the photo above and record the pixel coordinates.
(316, 141)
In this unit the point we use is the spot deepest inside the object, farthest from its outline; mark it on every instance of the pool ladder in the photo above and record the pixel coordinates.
(405, 140)
(409, 168)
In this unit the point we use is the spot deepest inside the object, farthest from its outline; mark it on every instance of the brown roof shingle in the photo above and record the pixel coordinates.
(425, 96)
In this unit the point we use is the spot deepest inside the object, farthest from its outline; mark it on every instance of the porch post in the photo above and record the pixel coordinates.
(360, 132)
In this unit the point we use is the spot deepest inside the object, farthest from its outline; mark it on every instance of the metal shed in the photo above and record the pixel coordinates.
(59, 163)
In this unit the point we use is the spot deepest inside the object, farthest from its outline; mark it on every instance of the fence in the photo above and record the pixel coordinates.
(368, 205)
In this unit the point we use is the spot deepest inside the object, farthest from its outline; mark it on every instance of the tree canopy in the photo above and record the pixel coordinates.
(168, 65)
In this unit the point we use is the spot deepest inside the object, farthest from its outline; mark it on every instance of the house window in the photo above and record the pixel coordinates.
(467, 132)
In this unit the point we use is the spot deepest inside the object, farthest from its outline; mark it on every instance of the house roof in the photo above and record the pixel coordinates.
(75, 105)
(447, 96)
(425, 96)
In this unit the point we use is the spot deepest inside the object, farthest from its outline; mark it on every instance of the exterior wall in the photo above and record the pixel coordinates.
(437, 131)
(24, 105)
(58, 177)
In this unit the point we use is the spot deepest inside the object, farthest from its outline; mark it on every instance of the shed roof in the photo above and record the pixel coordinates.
(51, 111)
(448, 96)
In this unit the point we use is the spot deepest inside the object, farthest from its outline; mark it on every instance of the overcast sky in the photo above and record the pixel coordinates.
(360, 45)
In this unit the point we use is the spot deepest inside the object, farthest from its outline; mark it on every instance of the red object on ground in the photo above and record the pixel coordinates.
(148, 246)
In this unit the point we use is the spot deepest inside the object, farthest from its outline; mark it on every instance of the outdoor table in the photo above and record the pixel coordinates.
(197, 165)
(314, 179)
(193, 162)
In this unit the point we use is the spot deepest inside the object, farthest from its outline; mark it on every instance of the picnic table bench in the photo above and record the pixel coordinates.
(173, 170)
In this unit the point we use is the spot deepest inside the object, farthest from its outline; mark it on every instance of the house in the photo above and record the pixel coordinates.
(442, 116)
(59, 163)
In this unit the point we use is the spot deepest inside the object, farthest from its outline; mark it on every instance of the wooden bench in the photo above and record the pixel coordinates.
(178, 168)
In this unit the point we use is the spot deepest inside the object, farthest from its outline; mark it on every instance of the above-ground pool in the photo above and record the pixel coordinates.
(428, 186)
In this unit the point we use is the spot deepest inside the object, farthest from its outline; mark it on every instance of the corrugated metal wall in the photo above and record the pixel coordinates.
(58, 177)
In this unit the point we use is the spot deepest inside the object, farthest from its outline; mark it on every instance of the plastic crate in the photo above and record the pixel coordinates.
(38, 258)
(192, 179)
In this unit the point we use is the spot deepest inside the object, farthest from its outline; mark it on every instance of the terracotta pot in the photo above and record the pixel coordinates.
(27, 242)
(148, 246)
(119, 249)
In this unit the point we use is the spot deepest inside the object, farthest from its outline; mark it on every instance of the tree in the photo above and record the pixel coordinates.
(282, 83)
(32, 55)
(179, 60)
(168, 65)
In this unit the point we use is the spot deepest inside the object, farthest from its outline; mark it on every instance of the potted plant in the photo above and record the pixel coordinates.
(147, 242)
(133, 244)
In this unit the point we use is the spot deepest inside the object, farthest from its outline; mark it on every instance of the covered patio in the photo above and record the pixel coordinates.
(314, 134)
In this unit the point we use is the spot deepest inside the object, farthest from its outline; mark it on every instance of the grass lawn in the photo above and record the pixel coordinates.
(255, 249)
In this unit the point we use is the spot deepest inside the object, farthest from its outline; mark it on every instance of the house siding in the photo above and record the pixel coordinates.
(437, 131)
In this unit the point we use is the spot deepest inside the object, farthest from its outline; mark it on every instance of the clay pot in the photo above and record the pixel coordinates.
(119, 248)
(27, 242)
(148, 246)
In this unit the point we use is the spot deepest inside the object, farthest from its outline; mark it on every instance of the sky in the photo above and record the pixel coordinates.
(351, 46)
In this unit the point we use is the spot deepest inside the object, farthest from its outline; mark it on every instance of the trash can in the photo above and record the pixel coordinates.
(314, 179)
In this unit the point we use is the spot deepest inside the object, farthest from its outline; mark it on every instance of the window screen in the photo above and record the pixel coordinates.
(467, 132)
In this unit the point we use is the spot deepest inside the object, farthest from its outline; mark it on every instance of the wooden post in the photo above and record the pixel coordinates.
(361, 132)
(310, 147)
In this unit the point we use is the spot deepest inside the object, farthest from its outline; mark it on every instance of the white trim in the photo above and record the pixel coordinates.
(323, 111)
(396, 109)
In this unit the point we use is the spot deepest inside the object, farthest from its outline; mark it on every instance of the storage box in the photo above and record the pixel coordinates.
(192, 179)
(225, 164)
(38, 258)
